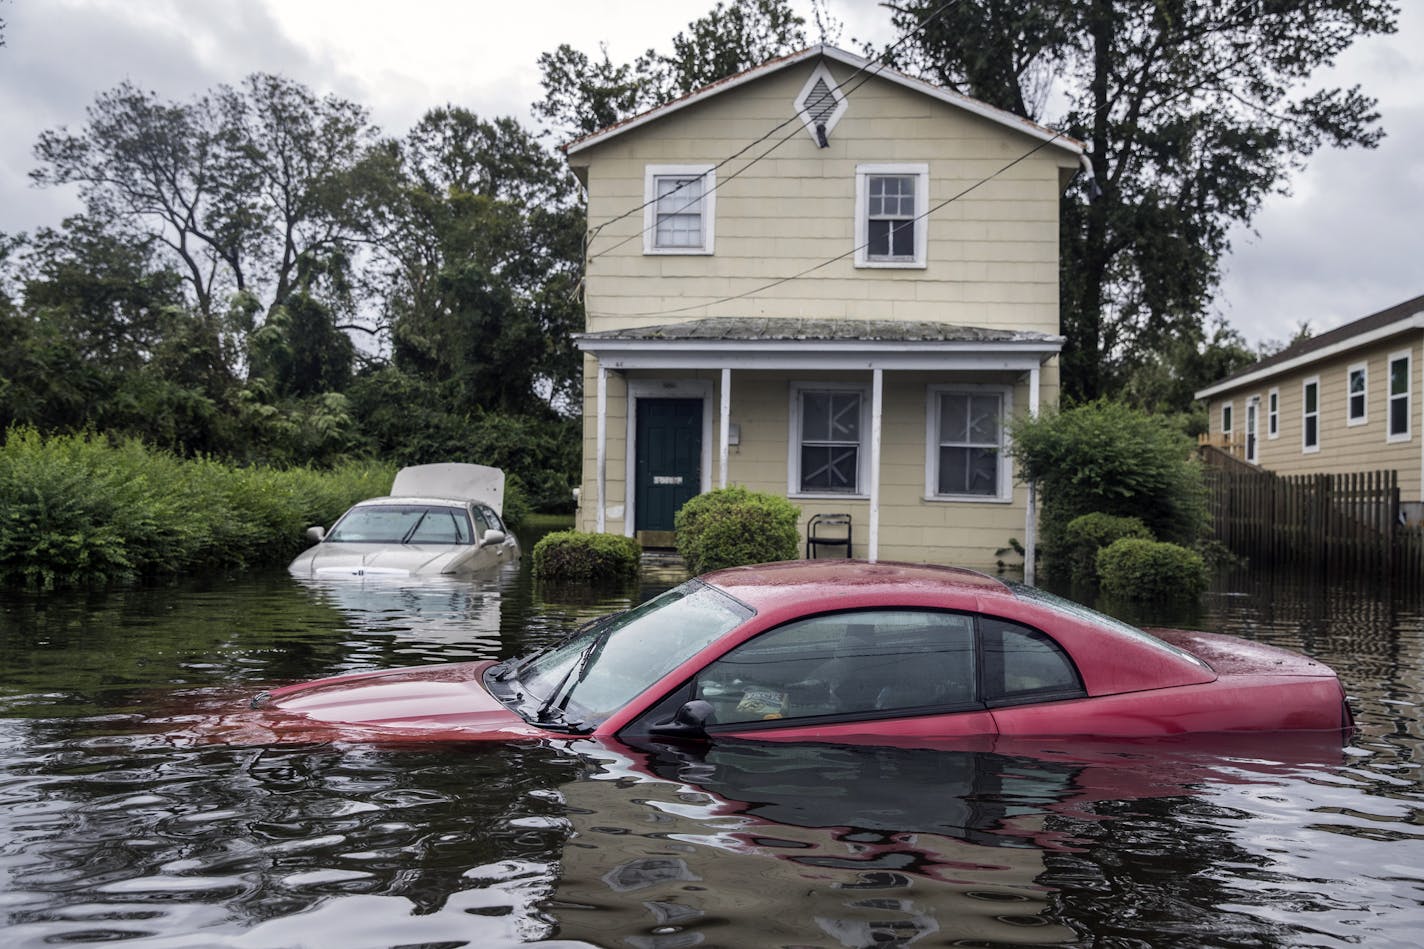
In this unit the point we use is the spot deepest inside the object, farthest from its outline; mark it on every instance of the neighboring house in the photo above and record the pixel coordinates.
(1347, 400)
(827, 280)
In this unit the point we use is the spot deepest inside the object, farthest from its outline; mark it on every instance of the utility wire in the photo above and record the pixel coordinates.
(795, 117)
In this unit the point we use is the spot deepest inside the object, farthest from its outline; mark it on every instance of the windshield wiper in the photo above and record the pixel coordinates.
(577, 670)
(414, 527)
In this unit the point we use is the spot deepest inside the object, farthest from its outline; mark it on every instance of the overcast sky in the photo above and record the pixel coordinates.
(1345, 243)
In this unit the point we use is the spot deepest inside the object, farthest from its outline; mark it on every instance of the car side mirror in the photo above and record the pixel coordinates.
(492, 537)
(690, 721)
(316, 534)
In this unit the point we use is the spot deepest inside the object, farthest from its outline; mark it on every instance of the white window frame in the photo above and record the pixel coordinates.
(1408, 396)
(1305, 447)
(793, 441)
(863, 174)
(1350, 418)
(932, 418)
(707, 206)
(1228, 420)
(1273, 413)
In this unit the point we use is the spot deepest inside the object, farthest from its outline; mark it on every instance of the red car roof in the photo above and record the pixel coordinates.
(764, 586)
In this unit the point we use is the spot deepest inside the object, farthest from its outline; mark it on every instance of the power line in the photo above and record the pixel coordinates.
(795, 116)
(839, 257)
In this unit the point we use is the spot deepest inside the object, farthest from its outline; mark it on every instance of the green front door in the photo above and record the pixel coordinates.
(668, 466)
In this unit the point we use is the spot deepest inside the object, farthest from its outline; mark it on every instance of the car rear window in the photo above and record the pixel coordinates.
(1082, 613)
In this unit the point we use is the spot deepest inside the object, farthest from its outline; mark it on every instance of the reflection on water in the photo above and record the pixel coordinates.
(112, 830)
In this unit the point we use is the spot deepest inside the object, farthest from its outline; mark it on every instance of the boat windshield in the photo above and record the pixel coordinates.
(585, 680)
(402, 524)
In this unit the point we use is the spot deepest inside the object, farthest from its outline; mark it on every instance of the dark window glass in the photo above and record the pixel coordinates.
(1024, 665)
(862, 663)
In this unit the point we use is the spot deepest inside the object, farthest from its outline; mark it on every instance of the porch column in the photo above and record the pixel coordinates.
(876, 391)
(602, 450)
(1031, 515)
(725, 440)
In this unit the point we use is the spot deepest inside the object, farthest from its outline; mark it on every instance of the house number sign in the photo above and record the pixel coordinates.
(667, 479)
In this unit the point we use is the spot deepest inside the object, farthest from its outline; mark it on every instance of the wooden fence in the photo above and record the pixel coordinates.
(1345, 524)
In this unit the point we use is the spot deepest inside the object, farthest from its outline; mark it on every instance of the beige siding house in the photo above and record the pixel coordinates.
(827, 280)
(1344, 401)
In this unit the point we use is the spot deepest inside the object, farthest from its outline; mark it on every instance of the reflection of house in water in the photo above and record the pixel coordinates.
(808, 845)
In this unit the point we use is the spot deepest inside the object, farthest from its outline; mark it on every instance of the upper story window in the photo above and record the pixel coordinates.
(828, 439)
(679, 209)
(966, 458)
(1357, 379)
(1273, 413)
(1399, 413)
(891, 215)
(1310, 415)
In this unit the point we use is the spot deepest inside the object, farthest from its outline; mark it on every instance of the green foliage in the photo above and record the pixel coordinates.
(1147, 570)
(1193, 111)
(88, 510)
(1087, 534)
(732, 526)
(583, 95)
(1106, 457)
(575, 555)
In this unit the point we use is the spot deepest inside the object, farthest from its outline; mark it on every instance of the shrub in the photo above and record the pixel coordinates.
(1110, 458)
(1086, 534)
(84, 509)
(575, 555)
(1138, 569)
(730, 527)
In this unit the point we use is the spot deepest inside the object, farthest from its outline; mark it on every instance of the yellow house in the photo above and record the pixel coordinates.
(828, 280)
(1340, 402)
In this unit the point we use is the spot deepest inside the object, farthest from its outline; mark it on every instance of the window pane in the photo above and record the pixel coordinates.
(829, 468)
(1021, 664)
(679, 212)
(953, 417)
(845, 416)
(845, 664)
(1357, 381)
(902, 239)
(1399, 377)
(1310, 431)
(878, 240)
(969, 471)
(1311, 392)
(815, 416)
(984, 420)
(1398, 416)
(1357, 406)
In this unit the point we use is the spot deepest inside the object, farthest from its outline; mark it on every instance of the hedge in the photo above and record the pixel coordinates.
(1087, 534)
(575, 555)
(730, 527)
(1149, 570)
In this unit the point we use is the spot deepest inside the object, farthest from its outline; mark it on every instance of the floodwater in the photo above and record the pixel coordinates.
(117, 826)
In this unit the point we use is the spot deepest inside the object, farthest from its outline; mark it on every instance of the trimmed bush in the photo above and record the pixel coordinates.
(575, 555)
(731, 527)
(1149, 570)
(1086, 535)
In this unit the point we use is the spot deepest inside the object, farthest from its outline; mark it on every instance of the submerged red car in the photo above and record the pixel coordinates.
(837, 651)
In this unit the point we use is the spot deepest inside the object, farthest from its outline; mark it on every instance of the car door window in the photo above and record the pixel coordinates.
(1023, 665)
(865, 663)
(481, 520)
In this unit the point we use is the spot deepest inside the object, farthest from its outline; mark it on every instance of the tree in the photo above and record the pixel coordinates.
(481, 234)
(582, 95)
(1193, 111)
(238, 185)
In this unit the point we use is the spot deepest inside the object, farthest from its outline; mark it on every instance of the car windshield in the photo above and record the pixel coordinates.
(1080, 612)
(588, 678)
(402, 524)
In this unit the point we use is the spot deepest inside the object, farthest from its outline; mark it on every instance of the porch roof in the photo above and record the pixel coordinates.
(811, 343)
